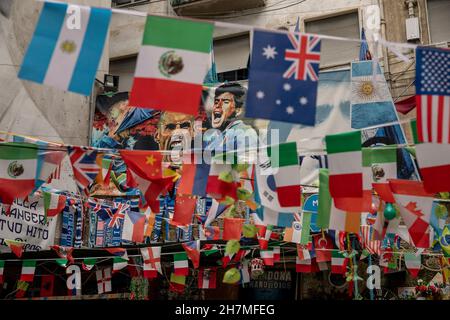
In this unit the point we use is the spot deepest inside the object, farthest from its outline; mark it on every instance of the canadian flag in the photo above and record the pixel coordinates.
(415, 206)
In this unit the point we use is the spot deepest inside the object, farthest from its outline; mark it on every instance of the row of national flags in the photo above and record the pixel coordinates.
(174, 61)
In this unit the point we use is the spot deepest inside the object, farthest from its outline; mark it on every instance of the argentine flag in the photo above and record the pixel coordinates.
(66, 47)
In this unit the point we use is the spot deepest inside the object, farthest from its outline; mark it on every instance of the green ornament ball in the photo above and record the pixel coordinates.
(389, 212)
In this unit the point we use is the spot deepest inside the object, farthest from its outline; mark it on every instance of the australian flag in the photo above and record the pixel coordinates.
(284, 75)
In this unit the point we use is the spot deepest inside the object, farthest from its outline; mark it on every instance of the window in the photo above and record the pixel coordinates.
(438, 20)
(337, 52)
(124, 68)
(126, 3)
(234, 75)
(231, 57)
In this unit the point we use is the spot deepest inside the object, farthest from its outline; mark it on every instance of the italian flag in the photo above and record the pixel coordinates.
(413, 263)
(28, 269)
(415, 206)
(181, 265)
(2, 269)
(345, 164)
(338, 262)
(286, 173)
(434, 163)
(341, 220)
(276, 254)
(172, 63)
(18, 168)
(267, 256)
(53, 204)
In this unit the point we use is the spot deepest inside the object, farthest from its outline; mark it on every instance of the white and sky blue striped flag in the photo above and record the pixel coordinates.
(66, 47)
(371, 101)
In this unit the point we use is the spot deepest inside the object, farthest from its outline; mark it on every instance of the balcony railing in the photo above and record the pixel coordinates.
(199, 8)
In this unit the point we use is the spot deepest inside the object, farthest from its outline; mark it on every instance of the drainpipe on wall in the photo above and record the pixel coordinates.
(387, 69)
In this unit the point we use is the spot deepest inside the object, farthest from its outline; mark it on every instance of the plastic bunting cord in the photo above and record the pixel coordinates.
(220, 246)
(393, 46)
(62, 147)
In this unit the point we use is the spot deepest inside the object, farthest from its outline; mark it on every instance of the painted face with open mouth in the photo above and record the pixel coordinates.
(223, 111)
(175, 134)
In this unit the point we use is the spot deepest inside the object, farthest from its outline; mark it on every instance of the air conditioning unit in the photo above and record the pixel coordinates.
(412, 29)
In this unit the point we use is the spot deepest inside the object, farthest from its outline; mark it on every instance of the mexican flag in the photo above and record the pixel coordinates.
(379, 165)
(181, 265)
(172, 63)
(345, 164)
(53, 203)
(415, 206)
(18, 167)
(28, 269)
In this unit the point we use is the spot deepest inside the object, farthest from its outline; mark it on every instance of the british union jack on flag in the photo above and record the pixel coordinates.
(84, 165)
(284, 75)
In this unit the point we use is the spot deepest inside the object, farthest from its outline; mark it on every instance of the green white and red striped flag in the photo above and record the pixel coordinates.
(181, 264)
(2, 269)
(434, 163)
(28, 269)
(413, 263)
(53, 204)
(338, 262)
(267, 256)
(18, 169)
(345, 164)
(172, 63)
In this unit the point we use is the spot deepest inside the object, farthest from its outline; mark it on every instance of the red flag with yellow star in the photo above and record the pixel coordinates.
(147, 171)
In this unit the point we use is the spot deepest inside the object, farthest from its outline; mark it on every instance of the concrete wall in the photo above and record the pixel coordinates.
(33, 109)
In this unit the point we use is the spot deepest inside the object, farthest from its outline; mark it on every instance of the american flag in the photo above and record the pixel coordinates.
(85, 167)
(433, 94)
(304, 56)
(373, 246)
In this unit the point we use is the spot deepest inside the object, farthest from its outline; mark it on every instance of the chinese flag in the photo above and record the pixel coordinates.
(147, 172)
(232, 228)
(47, 283)
(184, 210)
